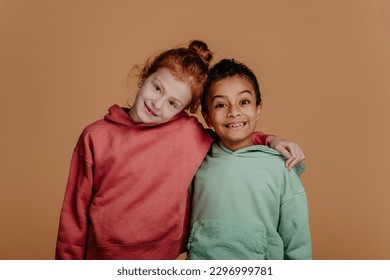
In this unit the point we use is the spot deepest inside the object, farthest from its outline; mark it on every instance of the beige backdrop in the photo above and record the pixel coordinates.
(324, 72)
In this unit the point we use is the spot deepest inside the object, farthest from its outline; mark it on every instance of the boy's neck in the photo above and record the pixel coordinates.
(234, 146)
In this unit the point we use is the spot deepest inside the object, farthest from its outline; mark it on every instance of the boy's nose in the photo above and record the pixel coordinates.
(233, 111)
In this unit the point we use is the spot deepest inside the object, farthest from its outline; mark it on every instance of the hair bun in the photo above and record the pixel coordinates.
(202, 50)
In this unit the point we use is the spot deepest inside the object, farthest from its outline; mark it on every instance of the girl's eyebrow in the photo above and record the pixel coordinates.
(162, 87)
(159, 83)
(224, 96)
(177, 100)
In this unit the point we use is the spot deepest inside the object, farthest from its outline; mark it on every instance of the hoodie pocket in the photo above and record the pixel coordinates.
(225, 240)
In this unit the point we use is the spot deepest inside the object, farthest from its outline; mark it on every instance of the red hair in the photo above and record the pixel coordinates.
(189, 65)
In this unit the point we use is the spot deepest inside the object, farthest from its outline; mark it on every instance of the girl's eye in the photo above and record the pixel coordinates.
(173, 104)
(157, 89)
(245, 102)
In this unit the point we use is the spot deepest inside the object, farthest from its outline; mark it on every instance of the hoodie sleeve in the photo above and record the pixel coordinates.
(294, 221)
(260, 138)
(74, 224)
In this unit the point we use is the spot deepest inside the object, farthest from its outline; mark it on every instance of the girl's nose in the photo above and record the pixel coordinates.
(158, 102)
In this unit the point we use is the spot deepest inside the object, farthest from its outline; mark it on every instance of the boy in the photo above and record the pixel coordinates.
(246, 204)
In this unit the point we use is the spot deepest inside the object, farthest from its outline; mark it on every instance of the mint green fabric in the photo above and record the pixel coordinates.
(247, 205)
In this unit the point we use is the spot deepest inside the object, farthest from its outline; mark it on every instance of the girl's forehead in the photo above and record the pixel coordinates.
(171, 86)
(163, 73)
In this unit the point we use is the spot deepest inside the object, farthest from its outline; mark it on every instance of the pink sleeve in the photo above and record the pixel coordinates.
(260, 138)
(73, 227)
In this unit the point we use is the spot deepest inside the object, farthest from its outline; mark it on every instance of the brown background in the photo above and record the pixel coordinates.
(324, 72)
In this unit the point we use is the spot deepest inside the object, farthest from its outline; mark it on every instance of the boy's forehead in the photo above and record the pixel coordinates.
(231, 85)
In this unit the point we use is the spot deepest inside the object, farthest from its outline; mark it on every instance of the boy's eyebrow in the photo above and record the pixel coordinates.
(224, 96)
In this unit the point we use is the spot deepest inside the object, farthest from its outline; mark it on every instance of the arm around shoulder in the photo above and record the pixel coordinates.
(291, 151)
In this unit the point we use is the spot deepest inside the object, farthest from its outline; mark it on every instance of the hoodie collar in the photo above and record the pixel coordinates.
(218, 149)
(247, 151)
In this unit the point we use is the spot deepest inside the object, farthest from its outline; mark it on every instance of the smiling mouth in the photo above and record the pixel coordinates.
(150, 110)
(235, 125)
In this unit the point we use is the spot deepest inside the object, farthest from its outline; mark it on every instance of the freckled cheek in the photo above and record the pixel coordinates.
(168, 114)
(147, 95)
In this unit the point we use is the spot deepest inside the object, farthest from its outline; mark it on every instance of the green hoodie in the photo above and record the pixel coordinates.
(247, 205)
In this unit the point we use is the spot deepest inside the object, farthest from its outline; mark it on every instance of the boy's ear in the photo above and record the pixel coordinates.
(258, 111)
(206, 118)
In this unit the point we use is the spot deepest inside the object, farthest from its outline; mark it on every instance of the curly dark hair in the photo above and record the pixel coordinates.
(227, 68)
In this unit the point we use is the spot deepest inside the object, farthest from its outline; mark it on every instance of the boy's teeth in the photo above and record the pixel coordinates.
(236, 125)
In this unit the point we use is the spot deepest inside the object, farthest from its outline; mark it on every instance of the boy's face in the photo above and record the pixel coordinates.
(232, 111)
(160, 98)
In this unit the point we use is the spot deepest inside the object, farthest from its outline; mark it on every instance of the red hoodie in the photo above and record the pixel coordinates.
(127, 191)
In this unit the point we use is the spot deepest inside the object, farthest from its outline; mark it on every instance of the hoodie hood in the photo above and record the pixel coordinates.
(218, 149)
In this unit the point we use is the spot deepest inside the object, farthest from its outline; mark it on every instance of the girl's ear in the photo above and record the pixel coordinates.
(140, 81)
(206, 118)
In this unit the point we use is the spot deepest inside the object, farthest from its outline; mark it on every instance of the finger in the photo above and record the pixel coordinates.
(300, 156)
(293, 163)
(298, 160)
(288, 150)
(297, 152)
(288, 163)
(284, 152)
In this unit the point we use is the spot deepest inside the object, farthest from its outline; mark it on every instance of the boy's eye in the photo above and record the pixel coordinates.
(220, 105)
(245, 102)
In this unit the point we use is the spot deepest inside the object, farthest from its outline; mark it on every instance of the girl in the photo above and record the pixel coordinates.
(127, 191)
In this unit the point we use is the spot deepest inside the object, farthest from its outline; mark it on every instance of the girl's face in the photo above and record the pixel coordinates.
(160, 98)
(232, 111)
